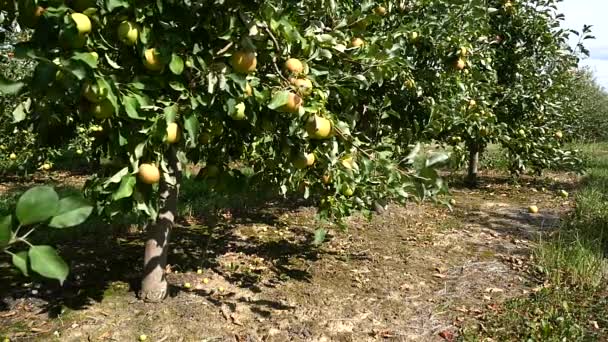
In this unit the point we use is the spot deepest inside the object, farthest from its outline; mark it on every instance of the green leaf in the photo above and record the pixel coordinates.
(21, 110)
(132, 106)
(72, 211)
(192, 126)
(20, 261)
(111, 62)
(5, 230)
(37, 205)
(86, 57)
(437, 158)
(125, 189)
(117, 177)
(319, 236)
(113, 4)
(279, 100)
(45, 261)
(170, 113)
(8, 87)
(177, 64)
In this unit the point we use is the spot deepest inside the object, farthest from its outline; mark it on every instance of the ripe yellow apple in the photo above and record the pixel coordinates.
(563, 193)
(248, 90)
(521, 132)
(472, 103)
(152, 60)
(238, 113)
(347, 191)
(46, 166)
(79, 151)
(348, 163)
(143, 337)
(128, 33)
(293, 104)
(294, 66)
(460, 64)
(326, 179)
(380, 10)
(410, 84)
(303, 85)
(94, 93)
(103, 109)
(173, 133)
(12, 156)
(414, 36)
(303, 160)
(318, 127)
(533, 209)
(149, 174)
(559, 135)
(452, 201)
(83, 23)
(244, 62)
(187, 285)
(357, 42)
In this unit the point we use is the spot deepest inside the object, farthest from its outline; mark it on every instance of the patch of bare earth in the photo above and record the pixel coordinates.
(413, 273)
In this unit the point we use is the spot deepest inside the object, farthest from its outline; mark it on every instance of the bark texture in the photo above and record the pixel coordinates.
(154, 285)
(471, 179)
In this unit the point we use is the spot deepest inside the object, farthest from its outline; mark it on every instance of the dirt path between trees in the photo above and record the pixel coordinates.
(414, 273)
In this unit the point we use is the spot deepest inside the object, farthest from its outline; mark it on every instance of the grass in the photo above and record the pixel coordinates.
(573, 306)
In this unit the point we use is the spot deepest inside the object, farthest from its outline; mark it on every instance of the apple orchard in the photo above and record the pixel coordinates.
(325, 99)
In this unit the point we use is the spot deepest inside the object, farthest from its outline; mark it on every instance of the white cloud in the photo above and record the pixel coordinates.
(590, 12)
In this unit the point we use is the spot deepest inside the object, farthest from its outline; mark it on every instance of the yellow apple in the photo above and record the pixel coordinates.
(460, 64)
(347, 191)
(152, 61)
(149, 174)
(12, 156)
(357, 42)
(318, 127)
(303, 85)
(83, 23)
(238, 113)
(533, 209)
(128, 33)
(294, 102)
(380, 10)
(173, 133)
(294, 66)
(244, 62)
(303, 160)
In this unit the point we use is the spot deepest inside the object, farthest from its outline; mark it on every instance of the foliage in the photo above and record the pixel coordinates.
(591, 101)
(572, 305)
(37, 208)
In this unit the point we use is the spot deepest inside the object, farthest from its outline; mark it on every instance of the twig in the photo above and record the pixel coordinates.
(278, 48)
(224, 49)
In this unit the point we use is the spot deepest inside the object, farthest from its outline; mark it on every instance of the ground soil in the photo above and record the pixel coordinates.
(413, 273)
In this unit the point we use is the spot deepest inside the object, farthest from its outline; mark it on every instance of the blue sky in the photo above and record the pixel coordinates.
(591, 12)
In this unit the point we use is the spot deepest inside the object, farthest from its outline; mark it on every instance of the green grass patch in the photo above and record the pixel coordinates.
(574, 264)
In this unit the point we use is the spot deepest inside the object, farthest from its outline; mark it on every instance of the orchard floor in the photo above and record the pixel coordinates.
(414, 273)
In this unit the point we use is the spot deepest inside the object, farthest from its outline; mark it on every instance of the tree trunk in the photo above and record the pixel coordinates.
(471, 179)
(154, 284)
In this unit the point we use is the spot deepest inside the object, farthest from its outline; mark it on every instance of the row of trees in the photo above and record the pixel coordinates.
(320, 97)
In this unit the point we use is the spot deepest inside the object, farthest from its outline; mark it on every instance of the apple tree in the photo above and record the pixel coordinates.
(275, 90)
